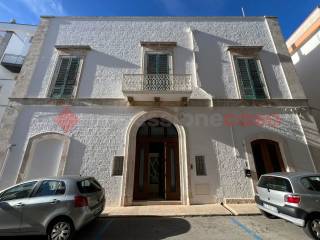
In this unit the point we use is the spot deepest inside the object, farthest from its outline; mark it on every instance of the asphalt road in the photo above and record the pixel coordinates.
(188, 228)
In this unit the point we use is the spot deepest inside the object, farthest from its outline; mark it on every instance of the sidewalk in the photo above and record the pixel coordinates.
(182, 210)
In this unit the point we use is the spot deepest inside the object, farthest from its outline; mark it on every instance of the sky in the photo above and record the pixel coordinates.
(291, 13)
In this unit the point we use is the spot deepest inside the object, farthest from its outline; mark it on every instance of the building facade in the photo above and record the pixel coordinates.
(185, 109)
(15, 41)
(304, 48)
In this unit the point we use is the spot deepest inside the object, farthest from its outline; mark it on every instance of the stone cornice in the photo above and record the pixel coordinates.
(191, 102)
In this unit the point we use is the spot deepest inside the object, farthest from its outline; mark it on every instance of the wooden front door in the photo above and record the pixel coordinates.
(157, 170)
(267, 156)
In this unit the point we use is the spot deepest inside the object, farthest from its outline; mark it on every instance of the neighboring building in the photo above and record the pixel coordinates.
(304, 48)
(15, 40)
(159, 108)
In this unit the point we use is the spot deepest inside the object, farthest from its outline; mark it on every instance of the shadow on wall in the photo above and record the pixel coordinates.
(214, 66)
(75, 157)
(93, 60)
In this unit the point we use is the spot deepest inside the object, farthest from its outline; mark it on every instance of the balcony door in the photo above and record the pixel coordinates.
(157, 174)
(157, 70)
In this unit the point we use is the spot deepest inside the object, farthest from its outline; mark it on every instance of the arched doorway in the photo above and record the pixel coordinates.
(267, 156)
(157, 175)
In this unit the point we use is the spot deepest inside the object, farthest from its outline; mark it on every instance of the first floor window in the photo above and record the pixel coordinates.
(66, 77)
(250, 80)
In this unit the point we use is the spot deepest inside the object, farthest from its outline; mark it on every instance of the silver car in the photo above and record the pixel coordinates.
(56, 207)
(294, 197)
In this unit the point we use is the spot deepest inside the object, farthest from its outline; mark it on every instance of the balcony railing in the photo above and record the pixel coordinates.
(12, 62)
(157, 83)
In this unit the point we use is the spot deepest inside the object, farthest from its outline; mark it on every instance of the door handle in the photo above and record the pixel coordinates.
(54, 201)
(20, 204)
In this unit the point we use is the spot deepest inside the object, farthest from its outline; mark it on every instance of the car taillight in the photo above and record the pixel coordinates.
(292, 199)
(80, 201)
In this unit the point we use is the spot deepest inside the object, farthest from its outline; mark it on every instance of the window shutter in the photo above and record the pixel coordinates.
(245, 83)
(158, 64)
(71, 77)
(59, 84)
(163, 66)
(256, 80)
(152, 64)
(251, 86)
(66, 77)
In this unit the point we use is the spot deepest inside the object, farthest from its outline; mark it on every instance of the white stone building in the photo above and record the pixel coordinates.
(15, 41)
(304, 48)
(159, 108)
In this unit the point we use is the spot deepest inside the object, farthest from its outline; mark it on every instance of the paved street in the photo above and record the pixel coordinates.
(199, 228)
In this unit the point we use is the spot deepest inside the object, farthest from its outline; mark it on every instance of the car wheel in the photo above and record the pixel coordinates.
(268, 215)
(60, 229)
(312, 228)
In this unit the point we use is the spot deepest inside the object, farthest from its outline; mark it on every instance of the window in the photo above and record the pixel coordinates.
(51, 188)
(157, 64)
(250, 78)
(275, 183)
(89, 186)
(200, 166)
(66, 77)
(117, 166)
(21, 191)
(311, 183)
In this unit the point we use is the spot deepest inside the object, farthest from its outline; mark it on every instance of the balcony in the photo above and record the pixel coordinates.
(12, 62)
(156, 87)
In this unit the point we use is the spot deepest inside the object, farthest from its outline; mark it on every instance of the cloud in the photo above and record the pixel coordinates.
(45, 7)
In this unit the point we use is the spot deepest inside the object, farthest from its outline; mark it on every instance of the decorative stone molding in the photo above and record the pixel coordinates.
(130, 153)
(245, 50)
(158, 45)
(191, 102)
(29, 152)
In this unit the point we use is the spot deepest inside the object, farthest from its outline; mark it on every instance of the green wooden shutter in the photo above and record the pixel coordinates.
(158, 64)
(256, 79)
(152, 64)
(251, 86)
(162, 64)
(66, 77)
(245, 82)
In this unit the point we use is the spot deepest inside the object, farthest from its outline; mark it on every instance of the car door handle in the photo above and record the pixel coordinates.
(20, 204)
(54, 201)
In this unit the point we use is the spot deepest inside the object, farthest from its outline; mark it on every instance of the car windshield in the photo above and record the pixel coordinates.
(312, 183)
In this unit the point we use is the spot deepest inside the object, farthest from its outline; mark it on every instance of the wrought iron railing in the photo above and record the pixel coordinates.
(157, 83)
(12, 59)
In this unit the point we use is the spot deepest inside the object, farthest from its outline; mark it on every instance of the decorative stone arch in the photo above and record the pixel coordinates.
(130, 154)
(31, 147)
(269, 136)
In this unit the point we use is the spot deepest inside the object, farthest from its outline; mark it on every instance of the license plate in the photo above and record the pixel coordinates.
(271, 208)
